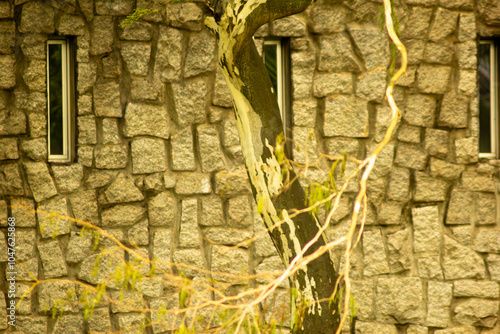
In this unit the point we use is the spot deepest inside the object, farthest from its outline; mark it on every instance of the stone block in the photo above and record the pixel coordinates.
(32, 324)
(112, 65)
(68, 177)
(114, 7)
(374, 254)
(433, 79)
(437, 142)
(345, 116)
(136, 56)
(290, 26)
(86, 77)
(142, 119)
(473, 181)
(25, 244)
(122, 189)
(400, 252)
(193, 183)
(466, 27)
(51, 293)
(186, 258)
(145, 89)
(459, 208)
(420, 110)
(415, 49)
(399, 184)
(364, 327)
(411, 156)
(34, 75)
(211, 211)
(37, 18)
(438, 53)
(188, 235)
(87, 130)
(37, 124)
(122, 215)
(53, 263)
(162, 209)
(23, 209)
(335, 147)
(168, 57)
(373, 46)
(439, 302)
(102, 270)
(337, 54)
(53, 217)
(429, 189)
(6, 9)
(7, 71)
(40, 181)
(239, 212)
(328, 19)
(467, 54)
(107, 100)
(477, 312)
(488, 241)
(78, 247)
(453, 112)
(200, 53)
(417, 24)
(467, 82)
(185, 16)
(148, 156)
(429, 268)
(486, 209)
(400, 300)
(189, 99)
(139, 31)
(12, 182)
(493, 261)
(463, 234)
(228, 236)
(111, 156)
(84, 205)
(446, 170)
(409, 133)
(68, 324)
(228, 260)
(467, 150)
(427, 229)
(100, 321)
(162, 248)
(222, 95)
(110, 132)
(125, 301)
(212, 158)
(302, 80)
(444, 24)
(389, 213)
(371, 85)
(460, 261)
(469, 288)
(305, 145)
(8, 148)
(73, 25)
(183, 150)
(101, 35)
(328, 83)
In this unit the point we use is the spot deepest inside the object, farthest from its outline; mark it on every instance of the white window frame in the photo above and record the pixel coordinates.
(493, 100)
(279, 72)
(67, 103)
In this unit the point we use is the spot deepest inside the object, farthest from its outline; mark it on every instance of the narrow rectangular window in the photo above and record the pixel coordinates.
(277, 60)
(488, 99)
(60, 98)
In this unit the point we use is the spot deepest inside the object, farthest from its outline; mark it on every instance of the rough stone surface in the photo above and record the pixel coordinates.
(200, 53)
(399, 247)
(40, 181)
(420, 110)
(101, 32)
(337, 54)
(185, 15)
(111, 156)
(188, 235)
(168, 58)
(371, 85)
(453, 111)
(84, 205)
(53, 217)
(477, 312)
(399, 300)
(468, 288)
(52, 259)
(411, 156)
(211, 155)
(78, 247)
(486, 209)
(433, 79)
(429, 189)
(439, 301)
(328, 83)
(68, 178)
(488, 241)
(162, 209)
(142, 119)
(136, 56)
(148, 156)
(460, 261)
(122, 215)
(122, 189)
(427, 230)
(36, 18)
(375, 258)
(107, 100)
(183, 150)
(429, 268)
(8, 149)
(345, 116)
(189, 99)
(437, 142)
(459, 208)
(193, 183)
(467, 150)
(12, 183)
(161, 248)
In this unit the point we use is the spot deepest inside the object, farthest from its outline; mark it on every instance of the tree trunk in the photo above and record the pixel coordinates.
(259, 125)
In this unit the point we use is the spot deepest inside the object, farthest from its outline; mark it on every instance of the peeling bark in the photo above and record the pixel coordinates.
(259, 124)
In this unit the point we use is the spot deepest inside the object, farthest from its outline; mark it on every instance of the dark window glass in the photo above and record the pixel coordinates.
(271, 60)
(484, 98)
(56, 98)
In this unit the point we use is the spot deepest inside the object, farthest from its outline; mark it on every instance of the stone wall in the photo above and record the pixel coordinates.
(159, 164)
